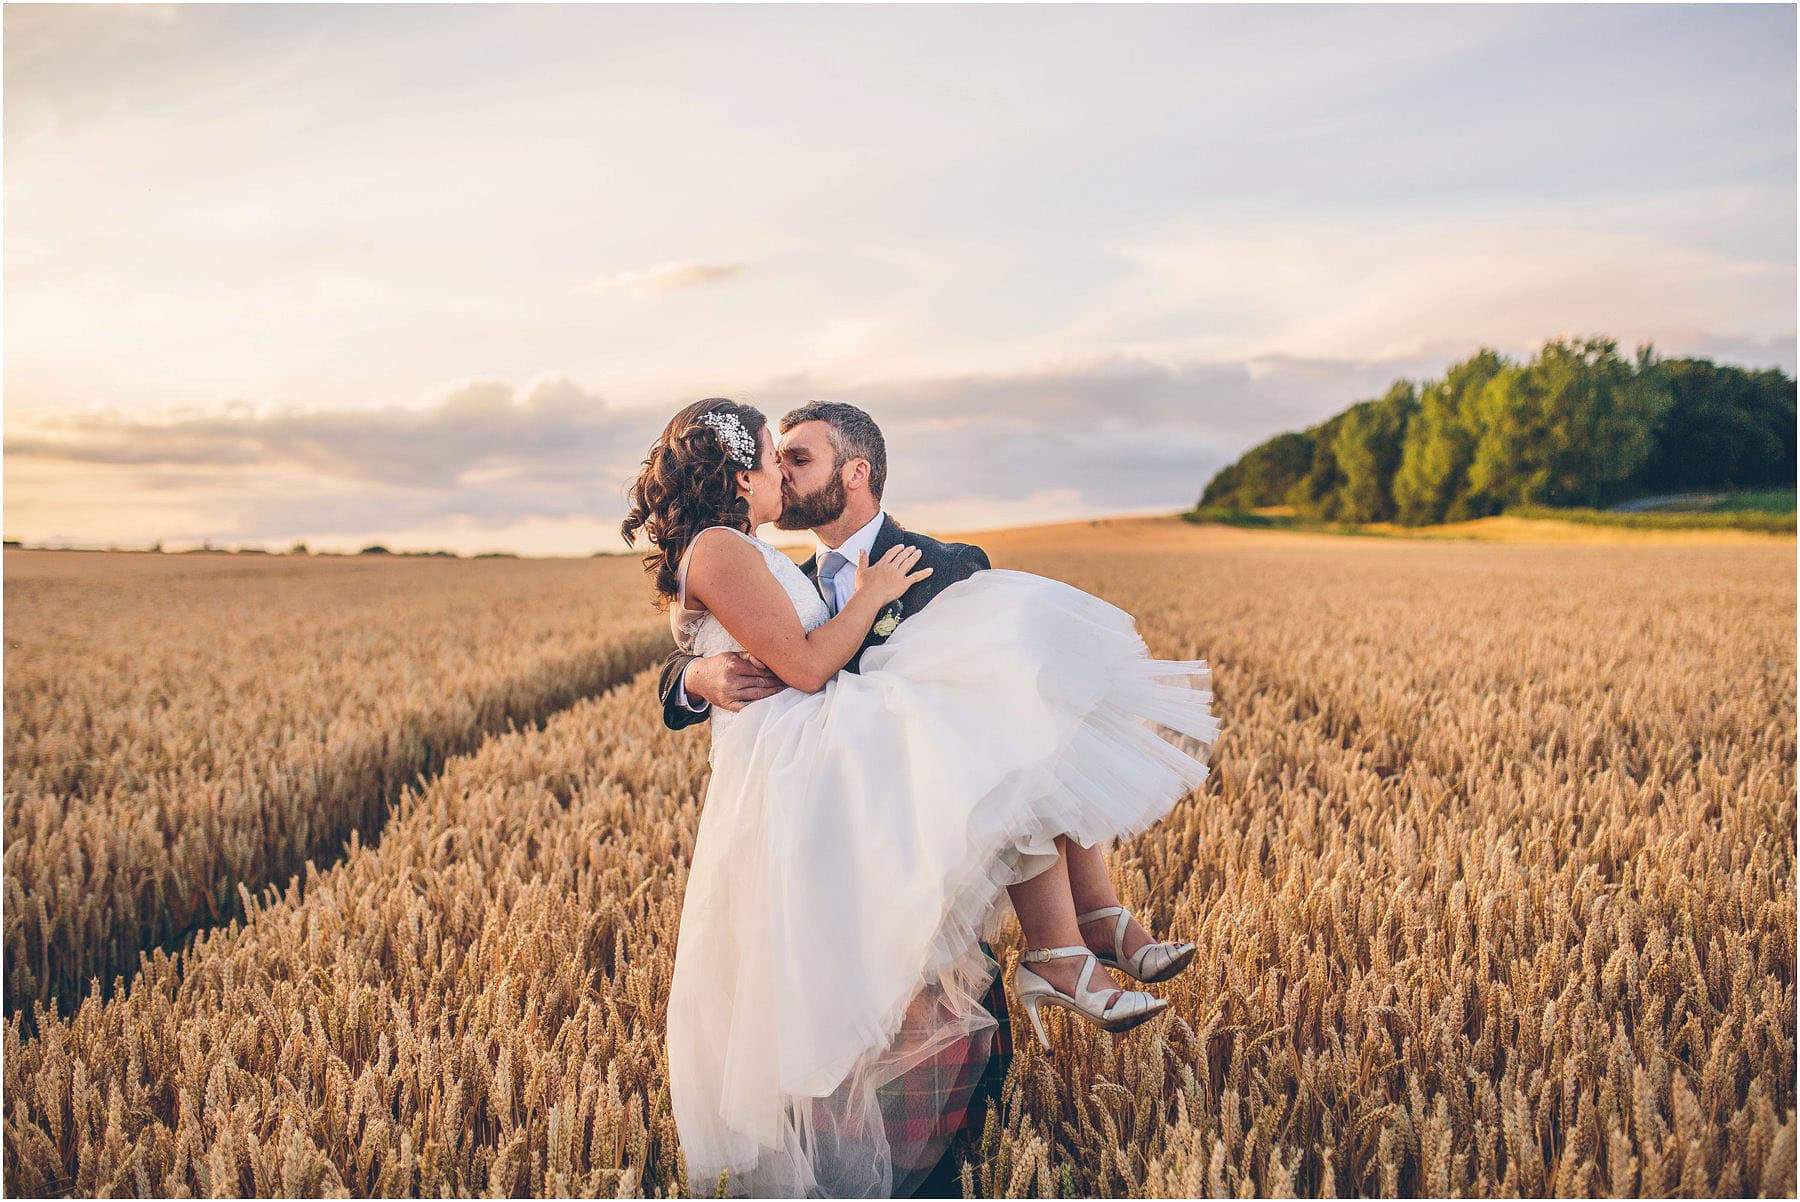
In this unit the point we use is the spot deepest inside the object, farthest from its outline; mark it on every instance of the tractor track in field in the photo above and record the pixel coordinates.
(331, 847)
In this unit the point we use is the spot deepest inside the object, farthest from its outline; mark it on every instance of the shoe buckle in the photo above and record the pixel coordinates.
(1040, 954)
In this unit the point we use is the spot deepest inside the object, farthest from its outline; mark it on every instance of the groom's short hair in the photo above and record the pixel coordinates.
(854, 435)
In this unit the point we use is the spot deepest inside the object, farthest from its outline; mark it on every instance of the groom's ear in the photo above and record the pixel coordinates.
(857, 475)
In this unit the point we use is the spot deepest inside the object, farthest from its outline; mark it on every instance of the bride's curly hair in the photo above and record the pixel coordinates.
(687, 483)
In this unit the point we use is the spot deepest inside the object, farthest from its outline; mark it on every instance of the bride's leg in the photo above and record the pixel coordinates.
(1091, 889)
(1046, 913)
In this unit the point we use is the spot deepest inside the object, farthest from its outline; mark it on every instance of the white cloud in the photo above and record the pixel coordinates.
(665, 277)
(1375, 285)
(546, 463)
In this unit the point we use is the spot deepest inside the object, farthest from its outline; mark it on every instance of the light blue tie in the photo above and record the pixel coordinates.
(828, 570)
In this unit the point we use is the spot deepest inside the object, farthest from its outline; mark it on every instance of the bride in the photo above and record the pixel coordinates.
(862, 833)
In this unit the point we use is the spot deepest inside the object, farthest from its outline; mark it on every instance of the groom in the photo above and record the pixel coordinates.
(833, 467)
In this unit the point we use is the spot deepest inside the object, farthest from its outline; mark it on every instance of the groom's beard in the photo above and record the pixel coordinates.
(815, 508)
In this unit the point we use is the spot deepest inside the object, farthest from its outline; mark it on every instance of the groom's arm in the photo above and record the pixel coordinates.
(690, 686)
(949, 563)
(679, 710)
(966, 559)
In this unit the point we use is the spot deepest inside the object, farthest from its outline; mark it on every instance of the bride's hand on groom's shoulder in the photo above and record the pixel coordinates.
(888, 578)
(730, 680)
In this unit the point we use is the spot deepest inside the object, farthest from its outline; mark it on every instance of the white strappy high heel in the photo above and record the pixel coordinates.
(1132, 1008)
(1151, 963)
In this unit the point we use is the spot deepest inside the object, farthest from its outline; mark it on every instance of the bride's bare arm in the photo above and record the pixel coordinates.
(729, 577)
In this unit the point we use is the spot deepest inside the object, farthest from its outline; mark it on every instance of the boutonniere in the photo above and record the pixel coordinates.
(890, 618)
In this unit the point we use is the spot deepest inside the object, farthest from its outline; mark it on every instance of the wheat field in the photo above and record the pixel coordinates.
(178, 725)
(1493, 880)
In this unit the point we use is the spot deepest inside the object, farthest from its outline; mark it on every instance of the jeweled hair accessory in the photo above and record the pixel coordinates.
(732, 436)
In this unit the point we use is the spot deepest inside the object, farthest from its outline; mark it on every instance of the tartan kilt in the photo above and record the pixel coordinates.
(940, 1103)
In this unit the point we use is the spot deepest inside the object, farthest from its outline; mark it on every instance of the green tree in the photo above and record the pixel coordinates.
(1601, 416)
(1572, 427)
(1263, 475)
(1368, 447)
(1576, 425)
(1725, 428)
(1315, 494)
(1432, 479)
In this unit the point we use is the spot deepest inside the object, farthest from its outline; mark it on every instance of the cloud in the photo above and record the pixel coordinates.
(665, 277)
(1110, 435)
(1386, 283)
(543, 467)
(487, 456)
(478, 429)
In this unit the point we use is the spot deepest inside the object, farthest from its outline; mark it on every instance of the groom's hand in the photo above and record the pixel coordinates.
(730, 680)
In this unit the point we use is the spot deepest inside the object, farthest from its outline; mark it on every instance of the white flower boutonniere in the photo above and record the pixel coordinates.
(886, 624)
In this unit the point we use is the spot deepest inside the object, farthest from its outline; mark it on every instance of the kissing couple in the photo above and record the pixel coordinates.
(906, 743)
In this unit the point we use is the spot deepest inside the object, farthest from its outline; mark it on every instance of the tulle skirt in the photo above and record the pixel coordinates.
(855, 845)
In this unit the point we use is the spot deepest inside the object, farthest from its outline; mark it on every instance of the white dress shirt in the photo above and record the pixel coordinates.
(843, 585)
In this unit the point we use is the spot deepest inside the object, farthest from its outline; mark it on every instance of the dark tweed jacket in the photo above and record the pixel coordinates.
(949, 563)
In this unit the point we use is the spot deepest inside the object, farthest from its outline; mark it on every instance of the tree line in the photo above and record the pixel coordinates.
(1576, 425)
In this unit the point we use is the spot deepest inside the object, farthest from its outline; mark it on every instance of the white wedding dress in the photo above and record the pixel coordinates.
(856, 843)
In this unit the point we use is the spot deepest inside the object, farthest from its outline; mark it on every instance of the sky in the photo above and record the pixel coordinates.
(436, 276)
